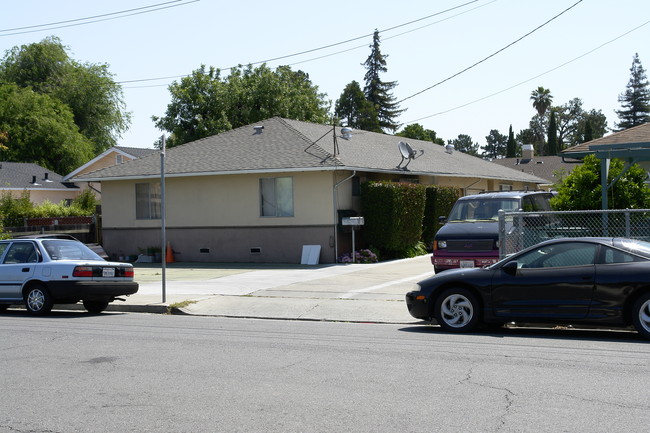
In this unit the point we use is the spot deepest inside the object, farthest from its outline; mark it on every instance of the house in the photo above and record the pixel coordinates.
(551, 168)
(41, 183)
(631, 145)
(113, 156)
(261, 192)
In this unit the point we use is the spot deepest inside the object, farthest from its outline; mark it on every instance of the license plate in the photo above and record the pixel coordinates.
(467, 263)
(108, 272)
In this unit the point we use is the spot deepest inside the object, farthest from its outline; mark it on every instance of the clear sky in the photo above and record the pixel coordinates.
(586, 52)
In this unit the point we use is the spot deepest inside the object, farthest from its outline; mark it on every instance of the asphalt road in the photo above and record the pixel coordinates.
(71, 372)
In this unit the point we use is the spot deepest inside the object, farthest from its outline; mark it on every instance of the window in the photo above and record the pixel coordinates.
(147, 201)
(118, 159)
(559, 255)
(618, 256)
(276, 197)
(21, 252)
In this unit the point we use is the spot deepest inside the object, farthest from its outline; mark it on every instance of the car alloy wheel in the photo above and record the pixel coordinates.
(641, 316)
(457, 310)
(38, 300)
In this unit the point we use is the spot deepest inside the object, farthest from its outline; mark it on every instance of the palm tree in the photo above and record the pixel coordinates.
(542, 100)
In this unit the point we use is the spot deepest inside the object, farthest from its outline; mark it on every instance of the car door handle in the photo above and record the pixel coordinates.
(26, 269)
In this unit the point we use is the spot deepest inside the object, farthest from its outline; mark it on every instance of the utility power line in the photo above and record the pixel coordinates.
(319, 48)
(491, 55)
(532, 78)
(95, 18)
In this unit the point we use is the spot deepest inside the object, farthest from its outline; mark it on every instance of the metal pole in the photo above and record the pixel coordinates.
(162, 221)
(353, 246)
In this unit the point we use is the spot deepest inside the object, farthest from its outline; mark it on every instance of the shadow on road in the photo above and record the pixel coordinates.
(563, 333)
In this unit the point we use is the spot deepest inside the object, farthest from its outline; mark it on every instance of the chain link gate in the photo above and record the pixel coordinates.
(519, 230)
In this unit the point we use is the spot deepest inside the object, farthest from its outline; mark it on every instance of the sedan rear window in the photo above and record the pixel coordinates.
(69, 250)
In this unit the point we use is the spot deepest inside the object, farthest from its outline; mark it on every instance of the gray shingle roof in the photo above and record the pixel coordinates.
(637, 135)
(546, 167)
(136, 152)
(291, 145)
(20, 175)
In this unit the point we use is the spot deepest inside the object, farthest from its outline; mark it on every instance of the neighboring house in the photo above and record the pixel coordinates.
(550, 168)
(113, 156)
(261, 192)
(41, 184)
(631, 145)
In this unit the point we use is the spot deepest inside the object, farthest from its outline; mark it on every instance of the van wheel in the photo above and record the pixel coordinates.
(38, 300)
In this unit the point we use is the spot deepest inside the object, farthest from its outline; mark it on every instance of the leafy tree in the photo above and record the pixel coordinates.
(87, 89)
(511, 146)
(552, 146)
(378, 92)
(355, 110)
(465, 144)
(571, 118)
(40, 129)
(524, 136)
(636, 98)
(496, 145)
(205, 104)
(417, 132)
(581, 189)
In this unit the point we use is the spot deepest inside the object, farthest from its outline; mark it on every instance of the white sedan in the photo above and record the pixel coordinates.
(41, 272)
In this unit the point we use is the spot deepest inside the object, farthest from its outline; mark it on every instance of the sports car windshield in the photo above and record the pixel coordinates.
(69, 250)
(481, 209)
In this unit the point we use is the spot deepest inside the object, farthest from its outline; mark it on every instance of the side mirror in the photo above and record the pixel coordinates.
(442, 219)
(510, 268)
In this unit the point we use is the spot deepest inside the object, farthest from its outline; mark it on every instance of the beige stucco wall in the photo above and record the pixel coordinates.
(228, 200)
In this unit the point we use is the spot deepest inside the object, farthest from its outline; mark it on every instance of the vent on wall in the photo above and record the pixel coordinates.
(256, 250)
(204, 250)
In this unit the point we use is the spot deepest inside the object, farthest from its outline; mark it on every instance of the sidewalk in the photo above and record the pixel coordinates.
(350, 293)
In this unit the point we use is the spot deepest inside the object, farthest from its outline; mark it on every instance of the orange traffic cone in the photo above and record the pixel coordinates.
(169, 255)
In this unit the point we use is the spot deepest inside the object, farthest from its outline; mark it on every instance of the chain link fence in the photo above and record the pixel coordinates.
(519, 230)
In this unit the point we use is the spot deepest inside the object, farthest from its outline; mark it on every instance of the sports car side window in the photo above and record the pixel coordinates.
(618, 256)
(559, 255)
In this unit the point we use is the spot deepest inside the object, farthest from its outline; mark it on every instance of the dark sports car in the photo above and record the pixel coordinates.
(595, 281)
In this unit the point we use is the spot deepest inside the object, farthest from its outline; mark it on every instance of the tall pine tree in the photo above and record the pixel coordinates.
(378, 92)
(636, 98)
(511, 146)
(552, 146)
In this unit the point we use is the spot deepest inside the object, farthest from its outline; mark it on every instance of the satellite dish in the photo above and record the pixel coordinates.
(407, 153)
(406, 150)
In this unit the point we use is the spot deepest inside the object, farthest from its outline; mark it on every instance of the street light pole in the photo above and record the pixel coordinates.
(163, 254)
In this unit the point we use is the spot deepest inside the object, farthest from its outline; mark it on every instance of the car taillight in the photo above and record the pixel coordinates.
(128, 272)
(82, 271)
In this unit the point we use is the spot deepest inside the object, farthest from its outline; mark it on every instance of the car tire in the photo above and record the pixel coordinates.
(457, 310)
(38, 300)
(641, 315)
(95, 307)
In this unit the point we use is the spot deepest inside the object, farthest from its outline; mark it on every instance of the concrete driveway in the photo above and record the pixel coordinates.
(352, 292)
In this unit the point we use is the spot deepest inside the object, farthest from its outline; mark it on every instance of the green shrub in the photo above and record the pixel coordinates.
(439, 201)
(393, 215)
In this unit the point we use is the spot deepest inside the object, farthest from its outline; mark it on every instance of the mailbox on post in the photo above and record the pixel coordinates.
(355, 223)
